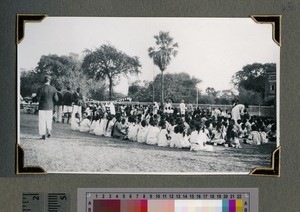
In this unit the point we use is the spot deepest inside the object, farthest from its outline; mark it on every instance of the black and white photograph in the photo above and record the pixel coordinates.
(120, 95)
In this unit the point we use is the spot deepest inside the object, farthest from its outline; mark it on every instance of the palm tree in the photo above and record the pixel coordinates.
(162, 55)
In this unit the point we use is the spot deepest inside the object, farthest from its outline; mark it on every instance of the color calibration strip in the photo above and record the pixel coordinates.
(168, 206)
(167, 200)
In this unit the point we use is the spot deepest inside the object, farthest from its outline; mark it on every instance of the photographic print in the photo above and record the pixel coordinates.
(108, 95)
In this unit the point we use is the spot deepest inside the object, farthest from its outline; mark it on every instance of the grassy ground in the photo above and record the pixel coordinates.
(72, 151)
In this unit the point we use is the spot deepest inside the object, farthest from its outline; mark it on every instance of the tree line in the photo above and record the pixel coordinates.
(99, 70)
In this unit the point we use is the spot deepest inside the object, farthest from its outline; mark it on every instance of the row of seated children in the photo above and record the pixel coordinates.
(254, 131)
(155, 131)
(193, 133)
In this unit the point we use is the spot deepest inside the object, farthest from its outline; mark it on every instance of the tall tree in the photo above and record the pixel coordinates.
(253, 77)
(162, 54)
(109, 63)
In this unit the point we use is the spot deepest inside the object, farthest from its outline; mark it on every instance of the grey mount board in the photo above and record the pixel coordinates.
(275, 194)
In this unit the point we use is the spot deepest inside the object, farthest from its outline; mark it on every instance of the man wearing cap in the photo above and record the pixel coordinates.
(46, 96)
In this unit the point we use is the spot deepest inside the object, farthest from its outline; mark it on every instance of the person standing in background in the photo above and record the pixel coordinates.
(67, 105)
(182, 108)
(77, 107)
(237, 111)
(58, 106)
(46, 96)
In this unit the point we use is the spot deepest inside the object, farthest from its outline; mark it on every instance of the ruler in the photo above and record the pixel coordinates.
(171, 200)
(33, 202)
(58, 202)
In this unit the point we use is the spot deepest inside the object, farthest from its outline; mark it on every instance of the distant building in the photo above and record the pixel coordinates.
(270, 87)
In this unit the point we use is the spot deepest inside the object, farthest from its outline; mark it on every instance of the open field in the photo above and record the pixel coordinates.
(72, 151)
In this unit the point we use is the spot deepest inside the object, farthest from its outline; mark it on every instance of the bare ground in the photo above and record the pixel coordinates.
(72, 151)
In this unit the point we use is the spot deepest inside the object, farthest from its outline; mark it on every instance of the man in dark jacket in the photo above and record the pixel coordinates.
(78, 101)
(46, 96)
(58, 106)
(67, 102)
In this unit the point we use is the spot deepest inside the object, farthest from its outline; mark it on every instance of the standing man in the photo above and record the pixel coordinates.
(237, 111)
(67, 103)
(190, 108)
(58, 106)
(182, 108)
(46, 96)
(112, 108)
(155, 108)
(77, 99)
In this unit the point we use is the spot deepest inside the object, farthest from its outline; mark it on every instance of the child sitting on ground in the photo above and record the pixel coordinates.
(263, 135)
(94, 124)
(198, 139)
(143, 131)
(101, 127)
(118, 131)
(217, 135)
(75, 122)
(176, 138)
(109, 126)
(163, 135)
(85, 125)
(254, 138)
(133, 129)
(124, 128)
(185, 143)
(236, 141)
(153, 132)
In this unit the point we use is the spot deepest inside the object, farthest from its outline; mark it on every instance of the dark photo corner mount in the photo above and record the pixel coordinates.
(275, 20)
(21, 19)
(20, 164)
(24, 18)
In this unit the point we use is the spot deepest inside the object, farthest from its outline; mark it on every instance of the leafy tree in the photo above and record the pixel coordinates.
(162, 54)
(65, 71)
(109, 63)
(250, 97)
(29, 83)
(60, 68)
(252, 77)
(140, 91)
(210, 95)
(225, 98)
(177, 86)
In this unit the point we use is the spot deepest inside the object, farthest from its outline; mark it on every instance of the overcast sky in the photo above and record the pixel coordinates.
(211, 49)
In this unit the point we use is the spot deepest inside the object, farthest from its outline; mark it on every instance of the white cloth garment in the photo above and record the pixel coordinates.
(85, 125)
(45, 122)
(162, 138)
(58, 111)
(75, 124)
(133, 131)
(142, 134)
(77, 109)
(152, 135)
